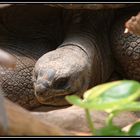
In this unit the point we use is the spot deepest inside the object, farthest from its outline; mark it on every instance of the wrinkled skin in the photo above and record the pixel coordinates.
(61, 77)
(27, 36)
(83, 59)
(126, 48)
(64, 63)
(70, 69)
(77, 64)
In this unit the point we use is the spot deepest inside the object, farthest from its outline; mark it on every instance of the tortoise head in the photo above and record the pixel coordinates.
(59, 73)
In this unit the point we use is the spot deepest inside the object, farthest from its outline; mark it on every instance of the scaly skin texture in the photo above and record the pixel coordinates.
(126, 48)
(79, 63)
(82, 61)
(27, 36)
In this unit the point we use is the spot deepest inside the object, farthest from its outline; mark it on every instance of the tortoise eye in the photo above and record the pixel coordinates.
(61, 83)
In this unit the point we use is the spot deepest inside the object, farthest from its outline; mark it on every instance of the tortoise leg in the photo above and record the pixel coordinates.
(27, 32)
(126, 49)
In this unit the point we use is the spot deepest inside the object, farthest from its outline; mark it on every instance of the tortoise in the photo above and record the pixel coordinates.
(65, 51)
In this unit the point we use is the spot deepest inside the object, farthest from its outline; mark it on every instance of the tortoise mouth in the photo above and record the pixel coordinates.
(51, 98)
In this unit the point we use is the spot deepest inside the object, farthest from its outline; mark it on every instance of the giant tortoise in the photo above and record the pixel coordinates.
(65, 51)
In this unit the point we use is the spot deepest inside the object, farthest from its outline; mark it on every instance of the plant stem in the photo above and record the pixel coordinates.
(90, 122)
(109, 119)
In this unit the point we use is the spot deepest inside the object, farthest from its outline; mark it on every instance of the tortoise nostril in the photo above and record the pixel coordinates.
(45, 84)
(41, 87)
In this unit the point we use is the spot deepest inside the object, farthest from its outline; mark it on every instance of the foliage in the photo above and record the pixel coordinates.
(113, 98)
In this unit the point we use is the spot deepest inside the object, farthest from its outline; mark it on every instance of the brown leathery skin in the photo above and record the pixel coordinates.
(126, 48)
(85, 52)
(66, 80)
(81, 60)
(27, 32)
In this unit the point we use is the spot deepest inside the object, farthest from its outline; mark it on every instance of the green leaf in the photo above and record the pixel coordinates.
(99, 89)
(125, 89)
(135, 130)
(113, 90)
(73, 99)
(110, 130)
(109, 97)
(112, 95)
(132, 106)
